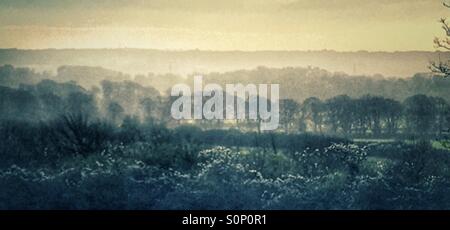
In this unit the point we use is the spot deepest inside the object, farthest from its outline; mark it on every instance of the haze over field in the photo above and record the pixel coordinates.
(143, 61)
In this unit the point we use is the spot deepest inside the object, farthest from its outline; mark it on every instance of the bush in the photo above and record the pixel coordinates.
(76, 135)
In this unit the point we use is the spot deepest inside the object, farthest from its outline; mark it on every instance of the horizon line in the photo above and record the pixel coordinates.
(224, 51)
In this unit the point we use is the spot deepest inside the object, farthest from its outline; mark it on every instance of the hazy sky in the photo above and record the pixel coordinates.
(343, 25)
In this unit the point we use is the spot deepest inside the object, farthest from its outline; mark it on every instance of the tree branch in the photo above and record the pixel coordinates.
(440, 68)
(441, 43)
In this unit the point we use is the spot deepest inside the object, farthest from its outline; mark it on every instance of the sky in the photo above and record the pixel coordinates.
(341, 25)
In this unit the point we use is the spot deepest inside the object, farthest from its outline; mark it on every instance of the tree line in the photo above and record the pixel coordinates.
(366, 116)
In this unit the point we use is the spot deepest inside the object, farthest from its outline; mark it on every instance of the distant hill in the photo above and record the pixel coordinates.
(143, 61)
(295, 83)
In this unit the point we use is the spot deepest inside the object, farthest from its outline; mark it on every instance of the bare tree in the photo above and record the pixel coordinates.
(442, 67)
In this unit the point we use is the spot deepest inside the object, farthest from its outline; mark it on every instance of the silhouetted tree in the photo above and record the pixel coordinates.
(340, 111)
(313, 109)
(115, 112)
(288, 112)
(442, 113)
(420, 114)
(393, 115)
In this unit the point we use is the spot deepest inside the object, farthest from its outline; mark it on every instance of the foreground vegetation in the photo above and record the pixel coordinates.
(147, 166)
